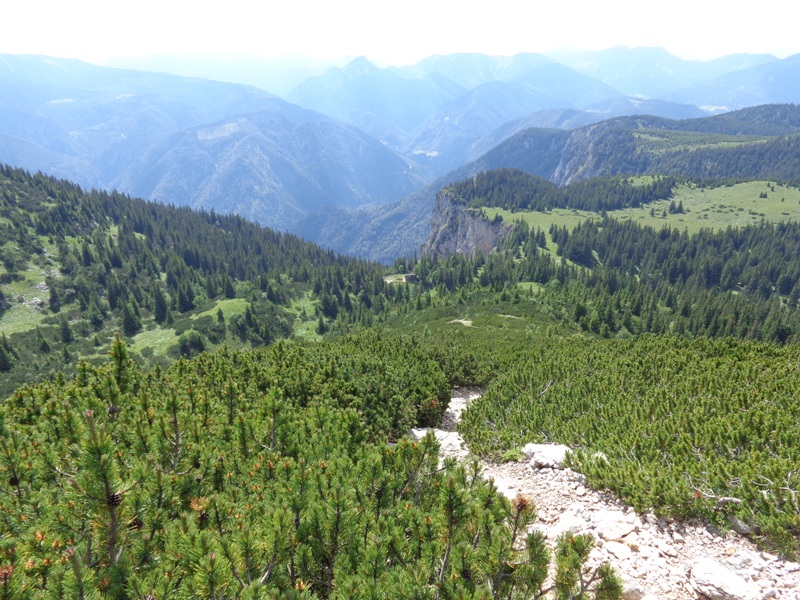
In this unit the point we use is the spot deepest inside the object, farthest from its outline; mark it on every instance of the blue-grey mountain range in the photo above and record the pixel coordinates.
(349, 156)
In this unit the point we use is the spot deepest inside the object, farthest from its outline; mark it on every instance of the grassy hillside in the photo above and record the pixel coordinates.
(713, 207)
(756, 143)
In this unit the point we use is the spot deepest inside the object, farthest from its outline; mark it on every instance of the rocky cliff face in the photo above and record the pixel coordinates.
(457, 229)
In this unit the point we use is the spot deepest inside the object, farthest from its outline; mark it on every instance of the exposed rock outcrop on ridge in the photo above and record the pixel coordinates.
(456, 229)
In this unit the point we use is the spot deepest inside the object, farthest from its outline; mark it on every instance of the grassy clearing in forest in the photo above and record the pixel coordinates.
(158, 339)
(484, 317)
(229, 308)
(736, 205)
(305, 325)
(659, 141)
(22, 315)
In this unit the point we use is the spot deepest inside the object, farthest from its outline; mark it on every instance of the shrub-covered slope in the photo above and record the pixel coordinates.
(703, 428)
(258, 474)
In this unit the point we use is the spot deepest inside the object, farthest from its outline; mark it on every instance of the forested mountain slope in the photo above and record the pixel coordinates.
(273, 167)
(85, 123)
(177, 140)
(755, 143)
(617, 277)
(177, 468)
(78, 265)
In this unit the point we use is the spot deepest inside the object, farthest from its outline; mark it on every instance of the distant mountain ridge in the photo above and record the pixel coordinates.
(757, 142)
(373, 135)
(433, 110)
(91, 121)
(189, 141)
(769, 83)
(654, 72)
(272, 168)
(487, 94)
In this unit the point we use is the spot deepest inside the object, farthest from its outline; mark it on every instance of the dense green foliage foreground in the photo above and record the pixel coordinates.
(259, 474)
(693, 428)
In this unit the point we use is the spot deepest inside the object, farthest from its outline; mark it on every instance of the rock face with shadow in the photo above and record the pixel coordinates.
(456, 229)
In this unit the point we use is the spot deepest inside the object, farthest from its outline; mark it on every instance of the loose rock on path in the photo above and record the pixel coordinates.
(656, 558)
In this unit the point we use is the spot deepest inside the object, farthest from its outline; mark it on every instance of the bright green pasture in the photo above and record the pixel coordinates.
(158, 339)
(736, 205)
(229, 308)
(22, 316)
(305, 325)
(658, 141)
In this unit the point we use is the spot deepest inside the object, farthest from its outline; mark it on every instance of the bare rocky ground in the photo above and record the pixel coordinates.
(656, 558)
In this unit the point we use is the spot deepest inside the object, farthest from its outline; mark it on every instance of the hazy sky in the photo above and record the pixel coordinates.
(398, 33)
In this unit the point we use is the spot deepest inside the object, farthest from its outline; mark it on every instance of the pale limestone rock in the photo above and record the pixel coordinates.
(659, 566)
(547, 456)
(619, 550)
(633, 540)
(570, 520)
(613, 525)
(791, 567)
(632, 593)
(717, 582)
(666, 549)
(745, 561)
(647, 552)
(450, 442)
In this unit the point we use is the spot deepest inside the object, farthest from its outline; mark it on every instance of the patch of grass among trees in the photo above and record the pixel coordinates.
(718, 207)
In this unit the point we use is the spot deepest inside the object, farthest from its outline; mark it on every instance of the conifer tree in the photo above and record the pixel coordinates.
(160, 306)
(55, 298)
(322, 327)
(94, 314)
(64, 330)
(131, 323)
(5, 359)
(230, 291)
(41, 343)
(185, 297)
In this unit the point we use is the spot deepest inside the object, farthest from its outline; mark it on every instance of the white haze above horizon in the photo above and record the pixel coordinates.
(399, 33)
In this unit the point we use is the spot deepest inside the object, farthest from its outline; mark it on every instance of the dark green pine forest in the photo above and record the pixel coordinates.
(81, 265)
(198, 407)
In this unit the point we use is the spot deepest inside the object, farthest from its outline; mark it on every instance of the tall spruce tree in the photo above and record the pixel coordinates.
(160, 306)
(131, 323)
(5, 359)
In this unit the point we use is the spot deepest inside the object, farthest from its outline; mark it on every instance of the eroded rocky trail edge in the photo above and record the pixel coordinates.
(656, 558)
